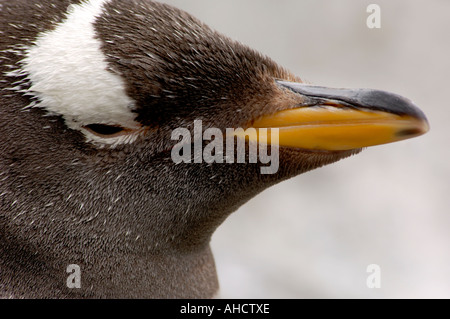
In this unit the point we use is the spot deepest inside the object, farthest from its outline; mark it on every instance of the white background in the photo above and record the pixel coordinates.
(314, 235)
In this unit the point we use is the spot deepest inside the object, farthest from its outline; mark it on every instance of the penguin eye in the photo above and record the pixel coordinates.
(105, 130)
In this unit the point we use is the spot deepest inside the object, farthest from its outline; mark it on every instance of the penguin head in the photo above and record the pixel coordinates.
(105, 85)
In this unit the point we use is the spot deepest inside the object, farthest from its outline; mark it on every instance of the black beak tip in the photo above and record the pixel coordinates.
(389, 102)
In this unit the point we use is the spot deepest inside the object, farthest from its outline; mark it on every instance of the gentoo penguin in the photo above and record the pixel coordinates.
(91, 91)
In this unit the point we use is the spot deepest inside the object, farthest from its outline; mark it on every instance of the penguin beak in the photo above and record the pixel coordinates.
(343, 119)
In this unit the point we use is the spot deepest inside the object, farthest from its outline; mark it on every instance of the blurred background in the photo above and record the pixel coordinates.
(314, 235)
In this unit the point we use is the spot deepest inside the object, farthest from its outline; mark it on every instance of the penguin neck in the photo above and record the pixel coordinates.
(28, 274)
(151, 224)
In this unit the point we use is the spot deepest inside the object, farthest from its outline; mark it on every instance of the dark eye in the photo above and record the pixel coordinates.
(105, 130)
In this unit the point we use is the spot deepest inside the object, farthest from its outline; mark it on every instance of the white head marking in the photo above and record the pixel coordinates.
(68, 74)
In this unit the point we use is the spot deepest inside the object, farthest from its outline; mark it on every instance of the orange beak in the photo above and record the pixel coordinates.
(344, 119)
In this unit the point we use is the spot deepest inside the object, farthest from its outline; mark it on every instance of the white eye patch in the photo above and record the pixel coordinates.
(68, 74)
